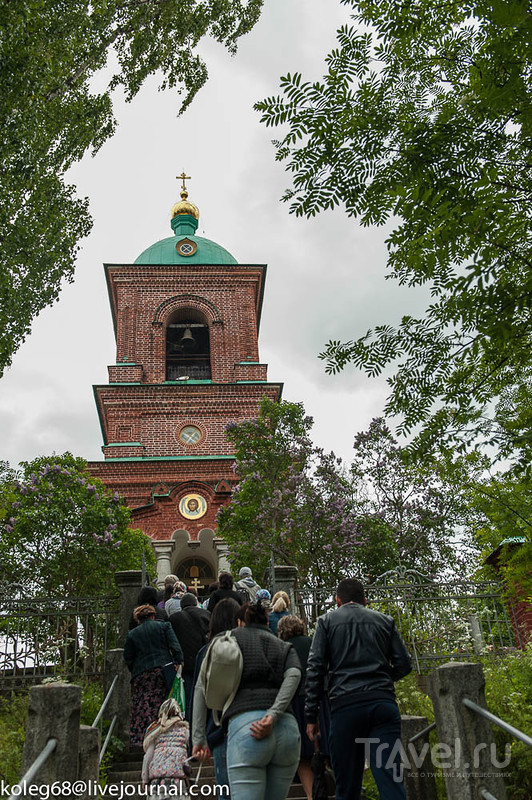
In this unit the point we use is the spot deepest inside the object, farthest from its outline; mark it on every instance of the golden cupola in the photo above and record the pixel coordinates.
(183, 206)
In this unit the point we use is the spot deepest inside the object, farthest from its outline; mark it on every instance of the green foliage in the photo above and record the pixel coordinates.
(63, 533)
(411, 699)
(413, 510)
(301, 506)
(503, 507)
(50, 116)
(293, 502)
(13, 712)
(424, 117)
(509, 696)
(92, 697)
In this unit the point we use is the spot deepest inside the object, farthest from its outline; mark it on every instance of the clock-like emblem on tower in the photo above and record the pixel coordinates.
(190, 434)
(192, 506)
(186, 247)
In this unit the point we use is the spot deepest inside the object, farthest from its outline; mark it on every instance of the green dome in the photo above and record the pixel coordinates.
(165, 252)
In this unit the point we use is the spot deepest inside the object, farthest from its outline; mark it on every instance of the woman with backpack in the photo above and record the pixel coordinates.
(263, 739)
(206, 735)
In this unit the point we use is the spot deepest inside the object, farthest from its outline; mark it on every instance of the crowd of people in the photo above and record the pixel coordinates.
(293, 696)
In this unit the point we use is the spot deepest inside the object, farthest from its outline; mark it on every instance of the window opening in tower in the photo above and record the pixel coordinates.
(187, 351)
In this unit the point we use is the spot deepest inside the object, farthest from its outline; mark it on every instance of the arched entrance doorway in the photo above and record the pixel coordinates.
(196, 572)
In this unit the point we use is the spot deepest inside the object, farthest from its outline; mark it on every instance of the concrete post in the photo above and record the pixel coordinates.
(89, 757)
(467, 751)
(129, 584)
(53, 713)
(418, 775)
(163, 554)
(285, 581)
(120, 700)
(221, 553)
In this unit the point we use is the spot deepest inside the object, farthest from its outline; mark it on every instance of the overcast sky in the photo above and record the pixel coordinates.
(325, 276)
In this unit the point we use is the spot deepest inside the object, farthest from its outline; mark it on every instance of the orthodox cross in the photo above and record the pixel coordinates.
(195, 583)
(184, 178)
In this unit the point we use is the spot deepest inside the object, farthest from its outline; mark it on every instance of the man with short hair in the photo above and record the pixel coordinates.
(246, 585)
(362, 653)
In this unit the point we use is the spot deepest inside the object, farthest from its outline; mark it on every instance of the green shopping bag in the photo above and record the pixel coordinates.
(177, 692)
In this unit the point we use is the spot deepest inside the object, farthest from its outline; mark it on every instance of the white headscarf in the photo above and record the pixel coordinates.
(169, 715)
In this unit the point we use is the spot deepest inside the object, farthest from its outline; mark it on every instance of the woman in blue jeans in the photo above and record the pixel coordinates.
(263, 740)
(204, 730)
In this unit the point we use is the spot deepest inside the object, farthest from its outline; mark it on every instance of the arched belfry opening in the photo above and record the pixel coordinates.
(187, 346)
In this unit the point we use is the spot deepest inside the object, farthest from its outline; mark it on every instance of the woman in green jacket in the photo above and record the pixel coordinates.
(148, 648)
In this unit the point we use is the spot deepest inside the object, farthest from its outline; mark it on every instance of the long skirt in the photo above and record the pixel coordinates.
(148, 691)
(307, 747)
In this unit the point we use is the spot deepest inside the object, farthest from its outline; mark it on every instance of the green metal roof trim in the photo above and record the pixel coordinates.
(169, 458)
(164, 252)
(122, 444)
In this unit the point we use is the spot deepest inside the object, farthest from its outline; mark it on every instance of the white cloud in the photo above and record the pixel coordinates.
(325, 276)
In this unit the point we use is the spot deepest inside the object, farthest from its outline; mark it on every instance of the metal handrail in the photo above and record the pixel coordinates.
(487, 795)
(515, 732)
(426, 730)
(41, 759)
(99, 716)
(104, 704)
(109, 732)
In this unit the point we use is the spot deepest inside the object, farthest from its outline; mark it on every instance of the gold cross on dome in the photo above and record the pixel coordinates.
(184, 177)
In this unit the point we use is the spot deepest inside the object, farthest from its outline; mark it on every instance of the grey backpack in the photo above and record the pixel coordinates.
(220, 674)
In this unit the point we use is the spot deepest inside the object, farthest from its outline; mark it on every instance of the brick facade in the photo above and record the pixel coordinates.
(142, 414)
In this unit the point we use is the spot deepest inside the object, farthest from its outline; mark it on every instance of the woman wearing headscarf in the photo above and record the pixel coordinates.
(173, 604)
(279, 608)
(165, 748)
(148, 648)
(263, 737)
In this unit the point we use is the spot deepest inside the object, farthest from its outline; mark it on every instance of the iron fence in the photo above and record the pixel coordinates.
(44, 638)
(439, 621)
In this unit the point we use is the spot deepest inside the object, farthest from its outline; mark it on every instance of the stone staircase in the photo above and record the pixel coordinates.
(126, 769)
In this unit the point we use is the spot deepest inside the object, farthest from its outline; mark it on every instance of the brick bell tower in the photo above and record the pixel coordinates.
(186, 318)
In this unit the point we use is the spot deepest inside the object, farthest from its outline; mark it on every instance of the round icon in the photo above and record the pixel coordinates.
(192, 506)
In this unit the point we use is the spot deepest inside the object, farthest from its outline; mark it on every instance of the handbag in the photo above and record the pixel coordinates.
(323, 783)
(177, 691)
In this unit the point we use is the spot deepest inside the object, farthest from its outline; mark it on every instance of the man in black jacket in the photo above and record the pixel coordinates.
(191, 626)
(362, 654)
